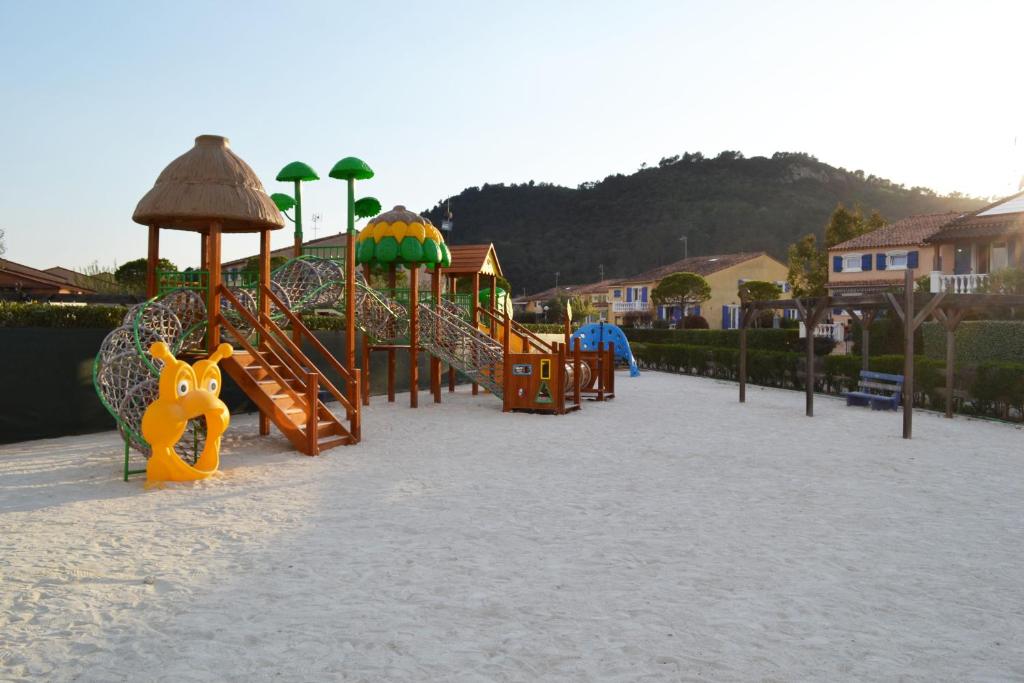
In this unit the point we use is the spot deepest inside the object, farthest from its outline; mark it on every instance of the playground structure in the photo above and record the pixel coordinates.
(186, 392)
(210, 191)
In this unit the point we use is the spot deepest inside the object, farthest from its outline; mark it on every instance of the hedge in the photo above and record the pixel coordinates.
(34, 314)
(770, 368)
(978, 341)
(999, 387)
(547, 328)
(842, 373)
(768, 339)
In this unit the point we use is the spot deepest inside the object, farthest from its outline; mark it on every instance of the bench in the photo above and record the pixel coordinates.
(880, 390)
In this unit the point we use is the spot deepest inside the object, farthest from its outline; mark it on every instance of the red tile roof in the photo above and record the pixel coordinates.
(910, 231)
(701, 265)
(976, 225)
(36, 278)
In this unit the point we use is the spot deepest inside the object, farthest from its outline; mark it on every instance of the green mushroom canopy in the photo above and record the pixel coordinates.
(401, 237)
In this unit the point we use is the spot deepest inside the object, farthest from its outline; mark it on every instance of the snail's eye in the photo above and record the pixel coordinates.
(182, 387)
(212, 386)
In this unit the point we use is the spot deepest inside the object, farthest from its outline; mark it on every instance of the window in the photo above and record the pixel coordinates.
(896, 260)
(1000, 257)
(852, 263)
(617, 294)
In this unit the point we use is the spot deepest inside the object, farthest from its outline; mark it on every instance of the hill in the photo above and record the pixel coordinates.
(629, 223)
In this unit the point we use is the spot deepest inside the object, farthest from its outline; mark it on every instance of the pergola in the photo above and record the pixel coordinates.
(911, 308)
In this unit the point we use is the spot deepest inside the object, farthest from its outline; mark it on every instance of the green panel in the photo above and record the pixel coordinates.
(332, 253)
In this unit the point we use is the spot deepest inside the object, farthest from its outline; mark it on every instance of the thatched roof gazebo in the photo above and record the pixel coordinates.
(210, 190)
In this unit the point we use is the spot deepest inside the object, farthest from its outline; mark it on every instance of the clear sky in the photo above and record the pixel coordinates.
(98, 97)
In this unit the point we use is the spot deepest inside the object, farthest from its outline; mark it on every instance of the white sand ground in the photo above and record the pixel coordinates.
(671, 534)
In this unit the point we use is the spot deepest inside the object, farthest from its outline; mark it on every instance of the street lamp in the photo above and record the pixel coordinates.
(545, 314)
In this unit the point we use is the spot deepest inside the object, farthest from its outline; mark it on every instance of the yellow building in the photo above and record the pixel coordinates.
(631, 297)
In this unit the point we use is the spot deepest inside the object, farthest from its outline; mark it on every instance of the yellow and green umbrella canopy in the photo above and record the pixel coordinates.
(401, 237)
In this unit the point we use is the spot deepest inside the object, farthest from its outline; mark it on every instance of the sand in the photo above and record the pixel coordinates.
(671, 534)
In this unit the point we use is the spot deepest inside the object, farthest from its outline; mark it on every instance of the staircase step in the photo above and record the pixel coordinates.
(331, 443)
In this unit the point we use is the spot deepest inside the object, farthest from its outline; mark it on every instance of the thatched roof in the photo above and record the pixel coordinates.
(207, 184)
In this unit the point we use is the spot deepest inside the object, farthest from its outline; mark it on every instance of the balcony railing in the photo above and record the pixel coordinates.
(627, 306)
(829, 330)
(968, 283)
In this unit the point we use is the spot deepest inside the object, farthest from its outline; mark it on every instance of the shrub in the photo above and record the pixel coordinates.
(771, 368)
(33, 314)
(323, 322)
(999, 387)
(764, 339)
(548, 328)
(695, 322)
(843, 372)
(978, 341)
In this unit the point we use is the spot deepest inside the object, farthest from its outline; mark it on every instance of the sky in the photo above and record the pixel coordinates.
(437, 96)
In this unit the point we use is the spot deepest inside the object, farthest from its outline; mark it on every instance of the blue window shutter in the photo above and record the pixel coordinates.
(643, 295)
(912, 260)
(865, 262)
(696, 310)
(880, 260)
(629, 294)
(837, 264)
(725, 317)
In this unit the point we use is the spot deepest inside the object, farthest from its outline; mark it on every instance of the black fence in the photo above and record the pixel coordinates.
(48, 390)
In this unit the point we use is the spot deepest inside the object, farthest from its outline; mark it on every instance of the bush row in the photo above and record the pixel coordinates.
(762, 339)
(33, 314)
(770, 368)
(842, 373)
(999, 388)
(978, 341)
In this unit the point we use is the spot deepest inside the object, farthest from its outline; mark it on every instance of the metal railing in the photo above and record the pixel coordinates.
(168, 280)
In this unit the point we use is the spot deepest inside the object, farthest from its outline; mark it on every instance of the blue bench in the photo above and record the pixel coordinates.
(880, 390)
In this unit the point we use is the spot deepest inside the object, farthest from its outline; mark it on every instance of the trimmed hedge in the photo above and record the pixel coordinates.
(762, 339)
(999, 387)
(842, 373)
(770, 368)
(547, 328)
(33, 314)
(978, 341)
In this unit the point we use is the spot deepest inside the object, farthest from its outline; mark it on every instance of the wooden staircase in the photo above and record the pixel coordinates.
(286, 385)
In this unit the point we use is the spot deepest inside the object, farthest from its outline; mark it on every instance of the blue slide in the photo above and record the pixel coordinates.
(592, 334)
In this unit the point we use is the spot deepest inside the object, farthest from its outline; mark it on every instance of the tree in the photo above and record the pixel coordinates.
(3, 244)
(808, 267)
(845, 225)
(759, 290)
(681, 289)
(132, 274)
(253, 263)
(582, 308)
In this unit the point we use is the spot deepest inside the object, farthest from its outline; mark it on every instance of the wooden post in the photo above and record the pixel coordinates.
(435, 362)
(264, 306)
(213, 285)
(576, 364)
(312, 418)
(950, 320)
(349, 357)
(908, 354)
(810, 317)
(600, 371)
(392, 281)
(609, 386)
(453, 288)
(506, 365)
(476, 315)
(357, 419)
(744, 314)
(492, 307)
(364, 384)
(152, 261)
(414, 321)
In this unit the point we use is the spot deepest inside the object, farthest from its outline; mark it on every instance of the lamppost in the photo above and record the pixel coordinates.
(545, 314)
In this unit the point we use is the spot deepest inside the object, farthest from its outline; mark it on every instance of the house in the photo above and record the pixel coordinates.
(974, 245)
(877, 260)
(724, 273)
(595, 293)
(21, 280)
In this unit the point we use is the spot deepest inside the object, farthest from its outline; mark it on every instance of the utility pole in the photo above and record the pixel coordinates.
(686, 246)
(556, 278)
(600, 269)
